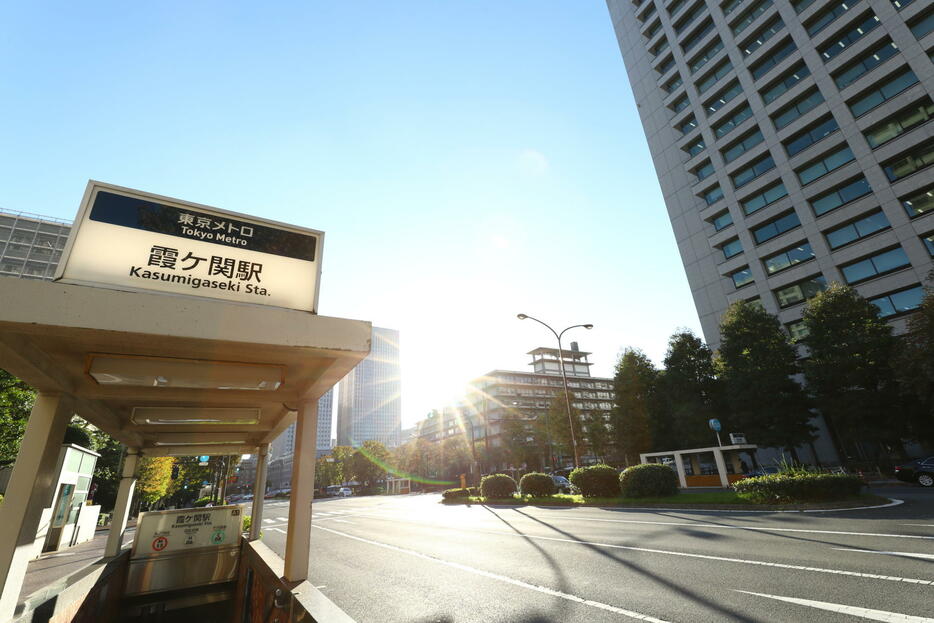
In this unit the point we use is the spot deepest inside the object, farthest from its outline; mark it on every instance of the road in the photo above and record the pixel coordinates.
(412, 560)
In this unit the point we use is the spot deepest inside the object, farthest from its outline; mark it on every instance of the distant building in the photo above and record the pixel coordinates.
(282, 448)
(369, 404)
(31, 245)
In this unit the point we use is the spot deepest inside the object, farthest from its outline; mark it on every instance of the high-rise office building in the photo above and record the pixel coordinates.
(31, 245)
(369, 400)
(792, 143)
(282, 449)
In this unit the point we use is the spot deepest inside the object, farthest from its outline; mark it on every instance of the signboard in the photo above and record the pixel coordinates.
(714, 424)
(140, 241)
(168, 532)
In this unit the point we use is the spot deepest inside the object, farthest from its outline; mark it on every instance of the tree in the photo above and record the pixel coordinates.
(756, 364)
(107, 470)
(519, 440)
(368, 463)
(557, 425)
(16, 399)
(689, 394)
(342, 455)
(596, 434)
(634, 384)
(849, 370)
(457, 456)
(155, 474)
(914, 370)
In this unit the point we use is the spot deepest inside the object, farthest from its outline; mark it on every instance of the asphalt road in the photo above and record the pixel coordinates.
(412, 560)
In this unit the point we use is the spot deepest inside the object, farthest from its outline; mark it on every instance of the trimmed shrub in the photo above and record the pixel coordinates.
(450, 494)
(473, 491)
(497, 486)
(202, 501)
(596, 481)
(648, 480)
(799, 487)
(537, 484)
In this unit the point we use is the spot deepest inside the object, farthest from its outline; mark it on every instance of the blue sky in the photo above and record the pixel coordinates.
(467, 160)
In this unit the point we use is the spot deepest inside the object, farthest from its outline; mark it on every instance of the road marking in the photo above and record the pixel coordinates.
(872, 551)
(923, 525)
(502, 578)
(343, 521)
(267, 520)
(278, 530)
(865, 613)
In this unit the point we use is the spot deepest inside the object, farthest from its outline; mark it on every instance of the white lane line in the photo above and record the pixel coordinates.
(872, 551)
(343, 521)
(891, 502)
(923, 525)
(502, 578)
(278, 530)
(864, 613)
(268, 520)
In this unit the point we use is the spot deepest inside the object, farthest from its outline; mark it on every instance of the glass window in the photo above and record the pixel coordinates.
(695, 147)
(761, 199)
(879, 264)
(722, 98)
(788, 258)
(727, 125)
(919, 203)
(732, 248)
(800, 5)
(687, 125)
(923, 26)
(929, 243)
(659, 47)
(797, 330)
(827, 16)
(697, 37)
(919, 158)
(741, 277)
(850, 36)
(899, 302)
(713, 195)
(768, 31)
(832, 161)
(680, 104)
(803, 105)
(723, 221)
(900, 4)
(892, 87)
(741, 146)
(709, 52)
(665, 66)
(793, 77)
(803, 290)
(775, 227)
(731, 6)
(847, 192)
(704, 171)
(673, 84)
(767, 63)
(863, 65)
(750, 15)
(807, 137)
(752, 171)
(721, 70)
(653, 29)
(856, 230)
(901, 122)
(649, 12)
(684, 22)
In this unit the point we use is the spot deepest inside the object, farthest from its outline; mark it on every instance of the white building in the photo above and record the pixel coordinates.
(370, 404)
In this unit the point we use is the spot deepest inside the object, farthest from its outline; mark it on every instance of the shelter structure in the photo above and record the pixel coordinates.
(717, 466)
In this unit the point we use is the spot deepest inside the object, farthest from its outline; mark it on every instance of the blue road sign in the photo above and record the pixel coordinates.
(714, 424)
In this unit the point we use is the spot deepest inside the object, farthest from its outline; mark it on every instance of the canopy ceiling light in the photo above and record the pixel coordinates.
(194, 415)
(238, 442)
(136, 371)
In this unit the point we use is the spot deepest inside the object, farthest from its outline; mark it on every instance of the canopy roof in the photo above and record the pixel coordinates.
(174, 374)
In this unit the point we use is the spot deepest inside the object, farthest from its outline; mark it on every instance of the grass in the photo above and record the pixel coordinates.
(713, 499)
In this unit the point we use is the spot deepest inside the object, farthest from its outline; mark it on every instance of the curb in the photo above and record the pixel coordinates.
(890, 503)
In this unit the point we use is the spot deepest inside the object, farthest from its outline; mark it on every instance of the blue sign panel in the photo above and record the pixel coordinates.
(714, 424)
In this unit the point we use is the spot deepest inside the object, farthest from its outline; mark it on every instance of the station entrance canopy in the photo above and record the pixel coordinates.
(181, 371)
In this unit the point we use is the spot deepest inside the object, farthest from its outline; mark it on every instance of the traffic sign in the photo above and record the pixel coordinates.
(714, 424)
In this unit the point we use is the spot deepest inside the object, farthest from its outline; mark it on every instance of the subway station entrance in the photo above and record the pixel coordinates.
(176, 372)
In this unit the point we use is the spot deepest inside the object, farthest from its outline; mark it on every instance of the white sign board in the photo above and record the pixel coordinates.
(140, 241)
(168, 532)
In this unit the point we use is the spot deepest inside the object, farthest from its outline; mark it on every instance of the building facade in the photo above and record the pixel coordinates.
(369, 398)
(31, 245)
(282, 449)
(792, 144)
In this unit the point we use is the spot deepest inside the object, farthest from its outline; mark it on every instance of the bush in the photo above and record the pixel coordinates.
(799, 487)
(537, 485)
(497, 486)
(473, 491)
(450, 494)
(596, 481)
(202, 501)
(648, 480)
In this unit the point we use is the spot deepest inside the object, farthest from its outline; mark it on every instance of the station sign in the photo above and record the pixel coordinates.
(167, 532)
(134, 240)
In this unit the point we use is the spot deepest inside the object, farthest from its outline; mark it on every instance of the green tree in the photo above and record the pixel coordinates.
(107, 469)
(557, 425)
(520, 440)
(634, 383)
(756, 364)
(596, 431)
(849, 371)
(343, 456)
(457, 456)
(914, 370)
(16, 399)
(367, 463)
(689, 394)
(154, 476)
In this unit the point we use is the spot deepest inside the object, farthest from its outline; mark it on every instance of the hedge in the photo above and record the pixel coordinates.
(497, 486)
(202, 501)
(784, 488)
(537, 484)
(648, 480)
(596, 481)
(450, 494)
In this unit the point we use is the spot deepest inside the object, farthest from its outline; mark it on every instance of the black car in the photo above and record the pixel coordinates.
(920, 471)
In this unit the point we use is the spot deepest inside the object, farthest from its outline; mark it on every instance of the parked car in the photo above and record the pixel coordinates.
(920, 471)
(344, 492)
(562, 484)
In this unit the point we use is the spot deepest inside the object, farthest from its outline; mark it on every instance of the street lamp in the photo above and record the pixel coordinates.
(564, 377)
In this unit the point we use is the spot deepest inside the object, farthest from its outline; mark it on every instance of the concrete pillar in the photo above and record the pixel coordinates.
(298, 537)
(29, 491)
(721, 467)
(122, 506)
(680, 467)
(259, 490)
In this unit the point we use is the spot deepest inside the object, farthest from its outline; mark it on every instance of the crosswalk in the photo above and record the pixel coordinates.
(280, 523)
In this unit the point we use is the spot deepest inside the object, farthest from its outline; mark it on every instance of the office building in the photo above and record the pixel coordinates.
(31, 245)
(792, 144)
(282, 449)
(369, 400)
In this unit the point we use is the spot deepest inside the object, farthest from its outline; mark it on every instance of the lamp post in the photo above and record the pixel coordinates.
(564, 377)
